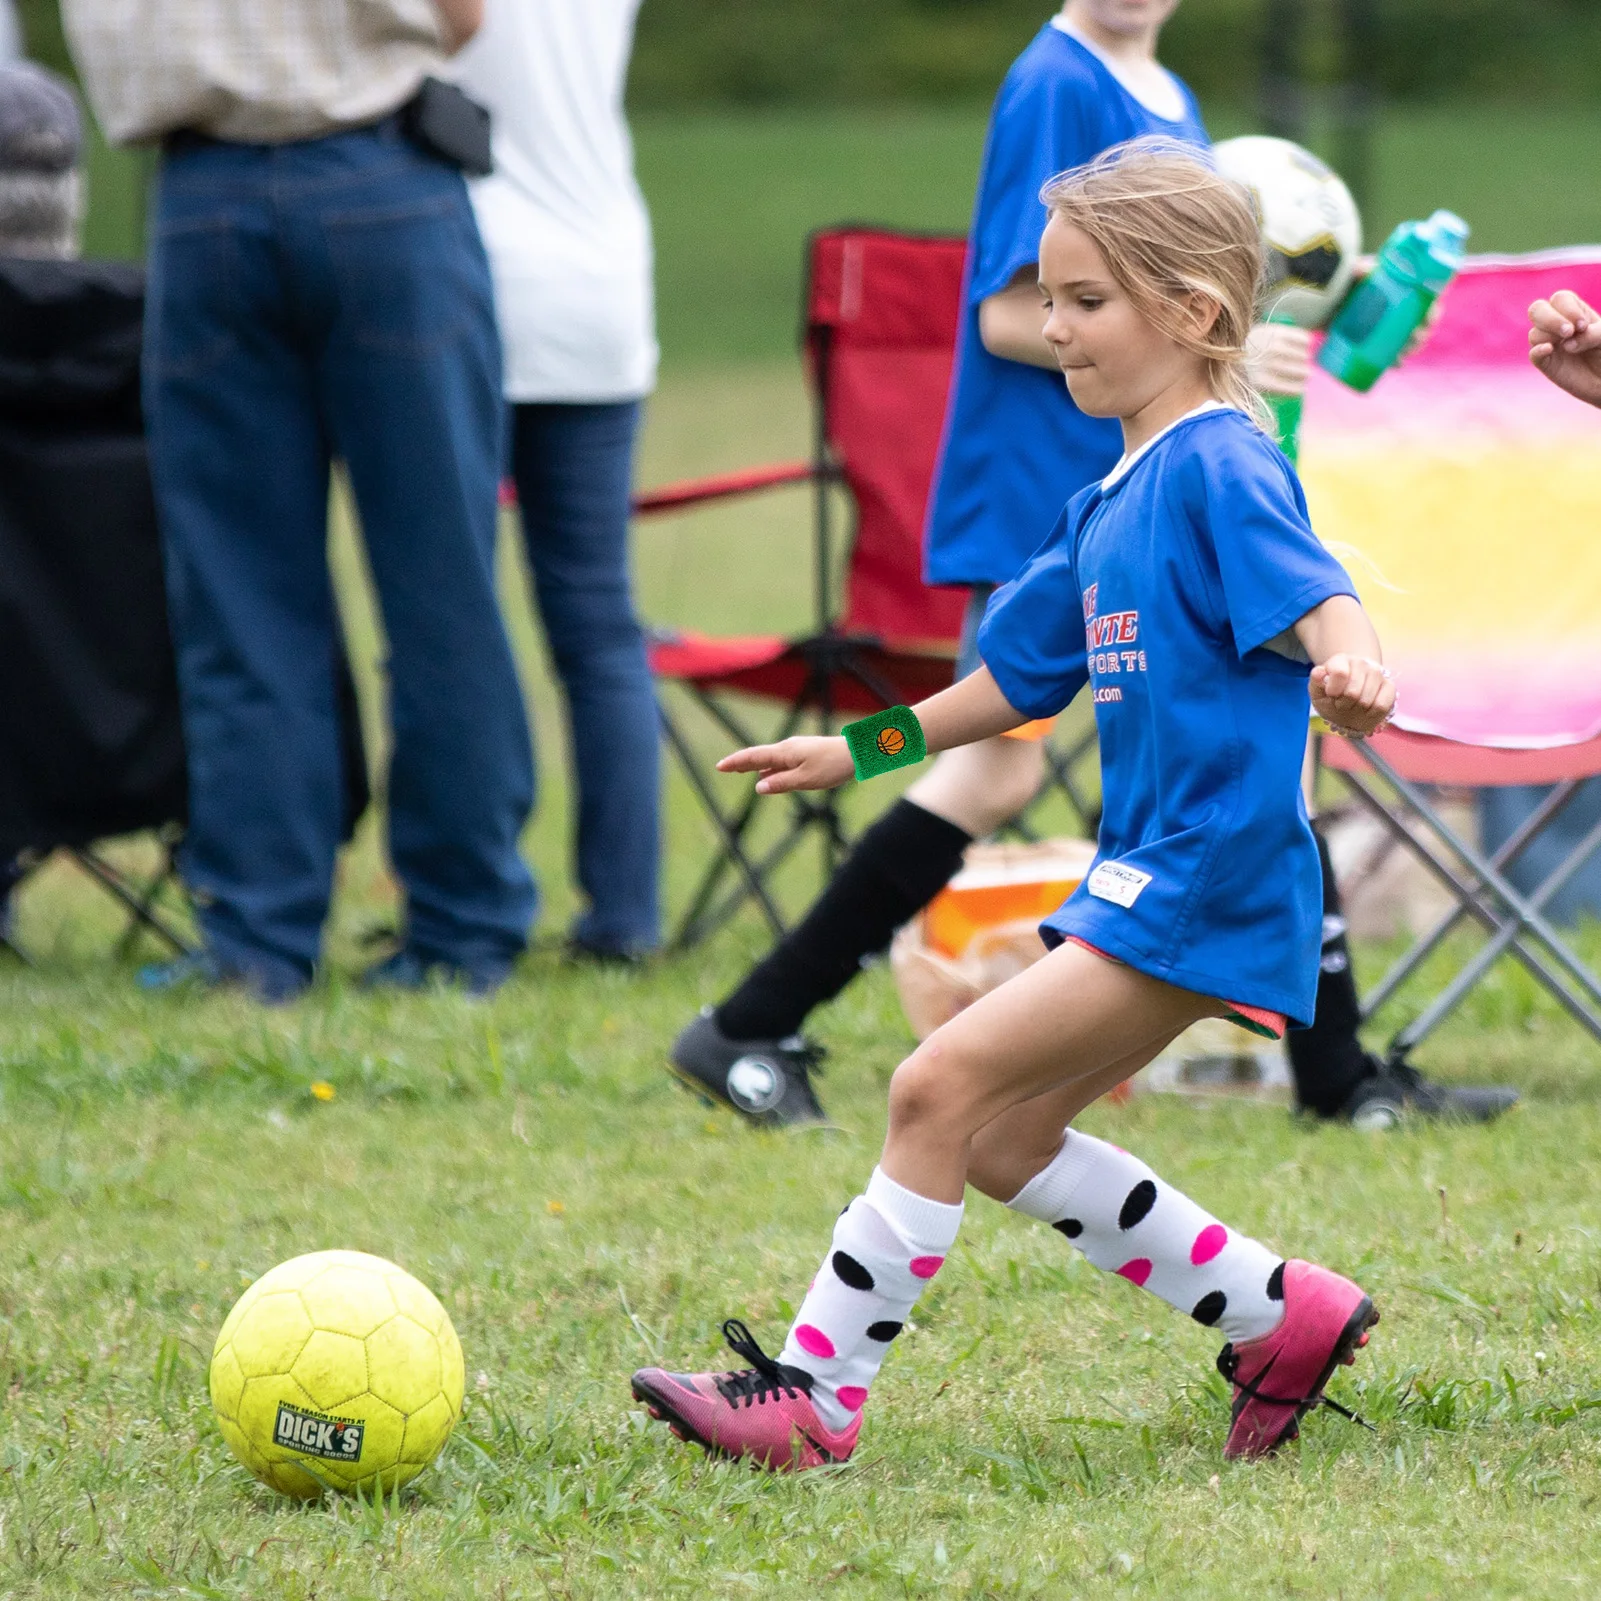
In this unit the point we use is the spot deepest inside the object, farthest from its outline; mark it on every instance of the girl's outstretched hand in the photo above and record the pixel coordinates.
(1565, 344)
(804, 761)
(1353, 694)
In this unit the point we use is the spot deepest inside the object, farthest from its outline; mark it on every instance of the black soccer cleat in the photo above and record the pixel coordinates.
(1395, 1092)
(765, 1081)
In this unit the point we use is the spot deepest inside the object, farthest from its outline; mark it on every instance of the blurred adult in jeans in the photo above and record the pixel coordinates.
(318, 289)
(569, 243)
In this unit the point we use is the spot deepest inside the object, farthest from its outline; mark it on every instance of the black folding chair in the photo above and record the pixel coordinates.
(91, 744)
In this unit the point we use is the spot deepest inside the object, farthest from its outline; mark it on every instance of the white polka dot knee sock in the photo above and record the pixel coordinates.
(888, 1244)
(1126, 1221)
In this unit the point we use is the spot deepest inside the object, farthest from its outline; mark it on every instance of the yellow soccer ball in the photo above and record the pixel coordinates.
(336, 1370)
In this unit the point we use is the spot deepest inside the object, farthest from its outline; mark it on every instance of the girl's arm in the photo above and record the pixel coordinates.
(1351, 689)
(1011, 322)
(968, 711)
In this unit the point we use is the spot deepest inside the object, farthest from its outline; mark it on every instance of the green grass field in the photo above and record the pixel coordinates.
(733, 195)
(1045, 1431)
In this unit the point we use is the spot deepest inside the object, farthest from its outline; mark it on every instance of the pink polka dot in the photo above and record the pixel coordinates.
(925, 1267)
(1136, 1272)
(1208, 1243)
(851, 1397)
(813, 1341)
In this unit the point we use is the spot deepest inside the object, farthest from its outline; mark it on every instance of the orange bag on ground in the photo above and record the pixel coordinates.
(983, 927)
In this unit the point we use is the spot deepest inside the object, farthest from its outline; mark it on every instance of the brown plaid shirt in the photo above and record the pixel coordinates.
(250, 70)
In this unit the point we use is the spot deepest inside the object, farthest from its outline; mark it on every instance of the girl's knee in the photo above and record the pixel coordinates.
(929, 1087)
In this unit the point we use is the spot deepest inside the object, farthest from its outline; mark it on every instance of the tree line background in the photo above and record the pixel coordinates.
(745, 51)
(795, 52)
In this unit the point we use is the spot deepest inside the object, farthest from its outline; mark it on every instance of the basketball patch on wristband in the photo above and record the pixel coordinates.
(887, 740)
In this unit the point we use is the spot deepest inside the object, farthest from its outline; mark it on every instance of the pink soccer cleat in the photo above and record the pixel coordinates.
(763, 1413)
(1279, 1378)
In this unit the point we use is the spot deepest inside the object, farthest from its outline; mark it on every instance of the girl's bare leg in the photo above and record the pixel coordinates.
(1007, 1152)
(1064, 1025)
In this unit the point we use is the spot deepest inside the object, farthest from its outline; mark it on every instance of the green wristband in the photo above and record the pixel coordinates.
(885, 741)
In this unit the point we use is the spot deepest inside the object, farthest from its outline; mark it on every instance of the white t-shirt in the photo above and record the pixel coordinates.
(562, 217)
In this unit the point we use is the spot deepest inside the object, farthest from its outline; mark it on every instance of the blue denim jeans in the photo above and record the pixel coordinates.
(573, 465)
(331, 298)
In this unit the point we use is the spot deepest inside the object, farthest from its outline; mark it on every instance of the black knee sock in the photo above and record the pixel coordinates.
(1328, 1060)
(898, 866)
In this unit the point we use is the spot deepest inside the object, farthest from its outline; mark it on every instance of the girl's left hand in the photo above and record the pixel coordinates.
(1353, 694)
(803, 761)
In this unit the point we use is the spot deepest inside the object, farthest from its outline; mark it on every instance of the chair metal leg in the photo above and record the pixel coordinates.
(149, 893)
(1060, 765)
(712, 918)
(733, 849)
(1491, 879)
(1503, 858)
(699, 920)
(1511, 931)
(137, 904)
(1463, 890)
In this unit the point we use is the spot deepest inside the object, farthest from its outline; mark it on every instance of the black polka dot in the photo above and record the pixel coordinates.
(852, 1272)
(1209, 1308)
(1275, 1284)
(1070, 1226)
(883, 1332)
(1137, 1206)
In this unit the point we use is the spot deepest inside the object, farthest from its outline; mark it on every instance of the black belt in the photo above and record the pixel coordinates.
(181, 141)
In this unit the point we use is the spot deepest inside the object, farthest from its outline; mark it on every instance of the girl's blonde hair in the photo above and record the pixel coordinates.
(1169, 227)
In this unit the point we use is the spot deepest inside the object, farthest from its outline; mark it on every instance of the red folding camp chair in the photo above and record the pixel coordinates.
(881, 316)
(1465, 495)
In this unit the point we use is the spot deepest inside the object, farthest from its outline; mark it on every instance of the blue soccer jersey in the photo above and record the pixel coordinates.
(1163, 589)
(1015, 446)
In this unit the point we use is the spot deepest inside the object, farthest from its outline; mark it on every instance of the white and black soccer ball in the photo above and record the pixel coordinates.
(1311, 229)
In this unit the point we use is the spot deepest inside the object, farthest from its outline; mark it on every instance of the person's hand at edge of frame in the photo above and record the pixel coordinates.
(1565, 344)
(804, 761)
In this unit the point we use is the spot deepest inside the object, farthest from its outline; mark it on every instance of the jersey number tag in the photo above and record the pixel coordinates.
(1114, 882)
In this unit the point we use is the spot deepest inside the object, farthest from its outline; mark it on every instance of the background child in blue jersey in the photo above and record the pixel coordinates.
(1188, 590)
(1015, 448)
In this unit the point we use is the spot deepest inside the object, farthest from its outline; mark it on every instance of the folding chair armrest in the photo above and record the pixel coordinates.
(721, 486)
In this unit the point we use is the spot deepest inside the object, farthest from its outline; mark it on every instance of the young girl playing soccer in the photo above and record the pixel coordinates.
(1188, 589)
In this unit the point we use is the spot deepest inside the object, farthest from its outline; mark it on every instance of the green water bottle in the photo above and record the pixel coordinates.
(1379, 317)
(1286, 409)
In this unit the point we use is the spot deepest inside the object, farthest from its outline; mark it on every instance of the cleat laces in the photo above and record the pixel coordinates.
(806, 1054)
(1228, 1364)
(764, 1378)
